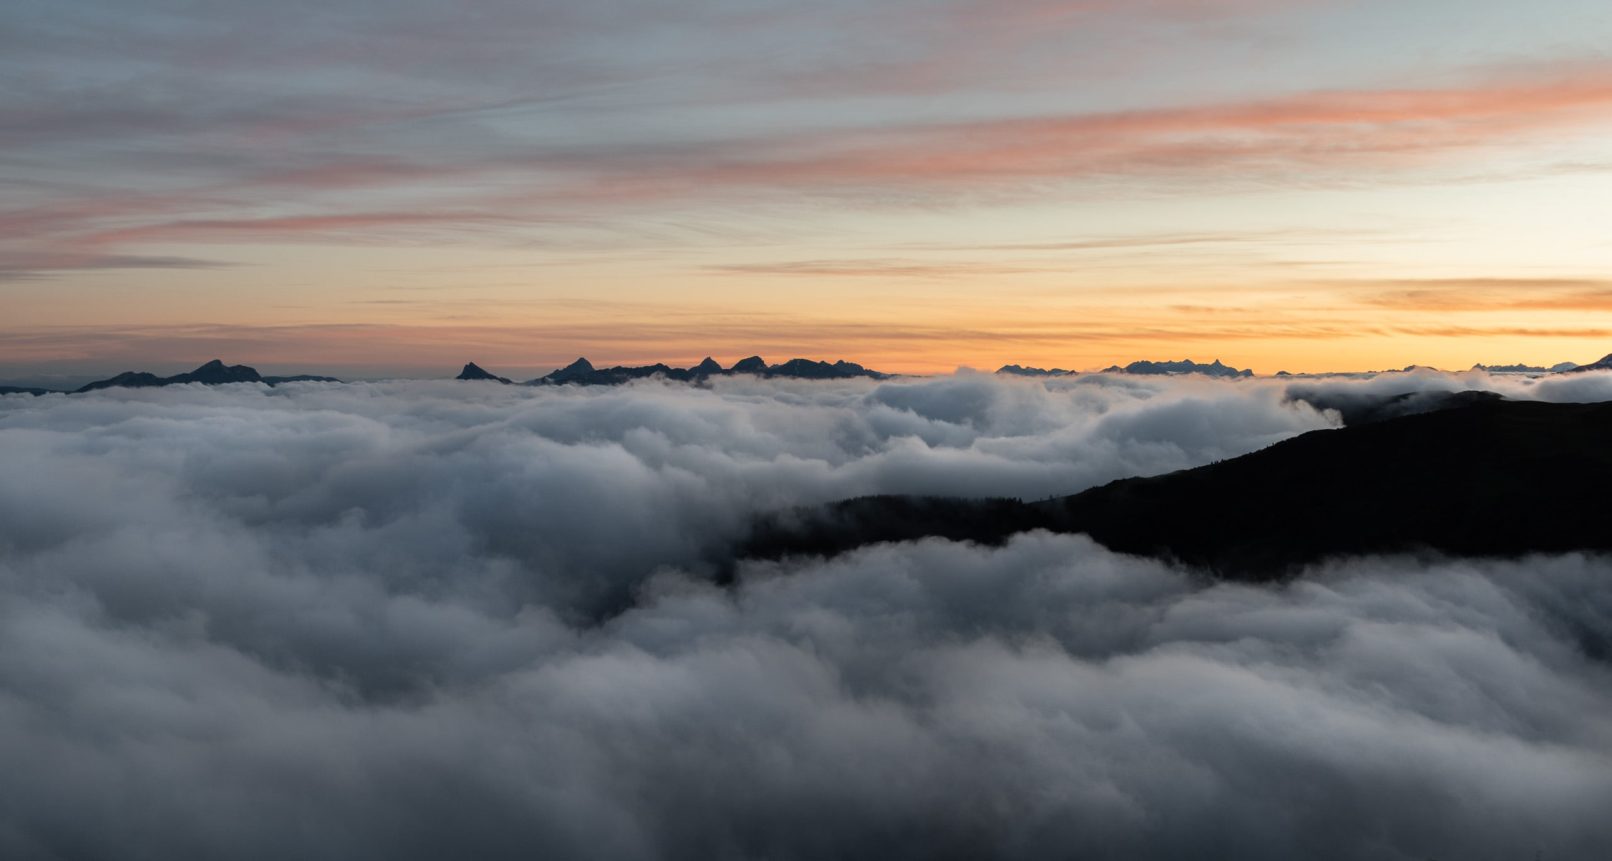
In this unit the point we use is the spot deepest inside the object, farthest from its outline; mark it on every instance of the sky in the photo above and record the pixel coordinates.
(378, 188)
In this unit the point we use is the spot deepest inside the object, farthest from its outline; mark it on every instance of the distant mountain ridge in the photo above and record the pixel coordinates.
(1602, 364)
(1220, 369)
(582, 372)
(1184, 366)
(213, 373)
(1558, 368)
(1023, 371)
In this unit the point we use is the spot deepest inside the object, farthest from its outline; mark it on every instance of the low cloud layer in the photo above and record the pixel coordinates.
(414, 619)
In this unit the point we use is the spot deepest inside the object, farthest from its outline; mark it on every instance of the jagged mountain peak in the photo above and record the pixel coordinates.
(473, 371)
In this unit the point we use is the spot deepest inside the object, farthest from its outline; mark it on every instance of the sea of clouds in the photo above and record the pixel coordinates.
(438, 619)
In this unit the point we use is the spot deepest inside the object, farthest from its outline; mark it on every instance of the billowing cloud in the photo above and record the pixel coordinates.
(523, 474)
(413, 619)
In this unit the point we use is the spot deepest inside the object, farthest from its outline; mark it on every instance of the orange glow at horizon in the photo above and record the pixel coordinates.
(1057, 184)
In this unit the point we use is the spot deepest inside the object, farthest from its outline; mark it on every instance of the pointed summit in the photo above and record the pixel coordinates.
(576, 372)
(473, 371)
(706, 367)
(752, 365)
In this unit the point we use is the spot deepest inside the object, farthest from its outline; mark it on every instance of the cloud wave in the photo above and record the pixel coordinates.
(419, 618)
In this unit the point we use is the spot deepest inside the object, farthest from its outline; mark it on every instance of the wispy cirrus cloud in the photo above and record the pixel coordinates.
(878, 268)
(1300, 139)
(781, 143)
(25, 267)
(1259, 140)
(347, 226)
(1489, 294)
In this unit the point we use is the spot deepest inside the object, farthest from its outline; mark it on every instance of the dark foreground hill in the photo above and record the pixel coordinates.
(1490, 478)
(1359, 408)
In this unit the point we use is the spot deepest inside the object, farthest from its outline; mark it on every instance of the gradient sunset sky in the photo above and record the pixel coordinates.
(372, 188)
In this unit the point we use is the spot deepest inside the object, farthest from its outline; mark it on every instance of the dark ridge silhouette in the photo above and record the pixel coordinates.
(806, 369)
(473, 371)
(1602, 364)
(213, 373)
(1359, 408)
(24, 390)
(583, 373)
(1526, 369)
(1185, 366)
(1022, 371)
(216, 372)
(300, 378)
(127, 380)
(576, 372)
(1490, 478)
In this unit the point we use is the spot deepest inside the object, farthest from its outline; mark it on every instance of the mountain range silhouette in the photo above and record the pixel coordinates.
(212, 373)
(582, 372)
